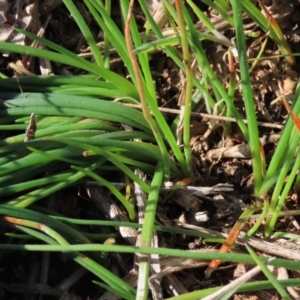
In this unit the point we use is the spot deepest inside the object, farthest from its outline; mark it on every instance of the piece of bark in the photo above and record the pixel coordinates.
(108, 207)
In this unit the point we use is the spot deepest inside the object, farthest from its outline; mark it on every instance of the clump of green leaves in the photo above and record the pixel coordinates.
(80, 137)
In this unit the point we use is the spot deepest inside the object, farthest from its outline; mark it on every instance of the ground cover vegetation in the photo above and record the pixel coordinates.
(149, 149)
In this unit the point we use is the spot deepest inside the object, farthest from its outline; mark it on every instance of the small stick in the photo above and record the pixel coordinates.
(221, 118)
